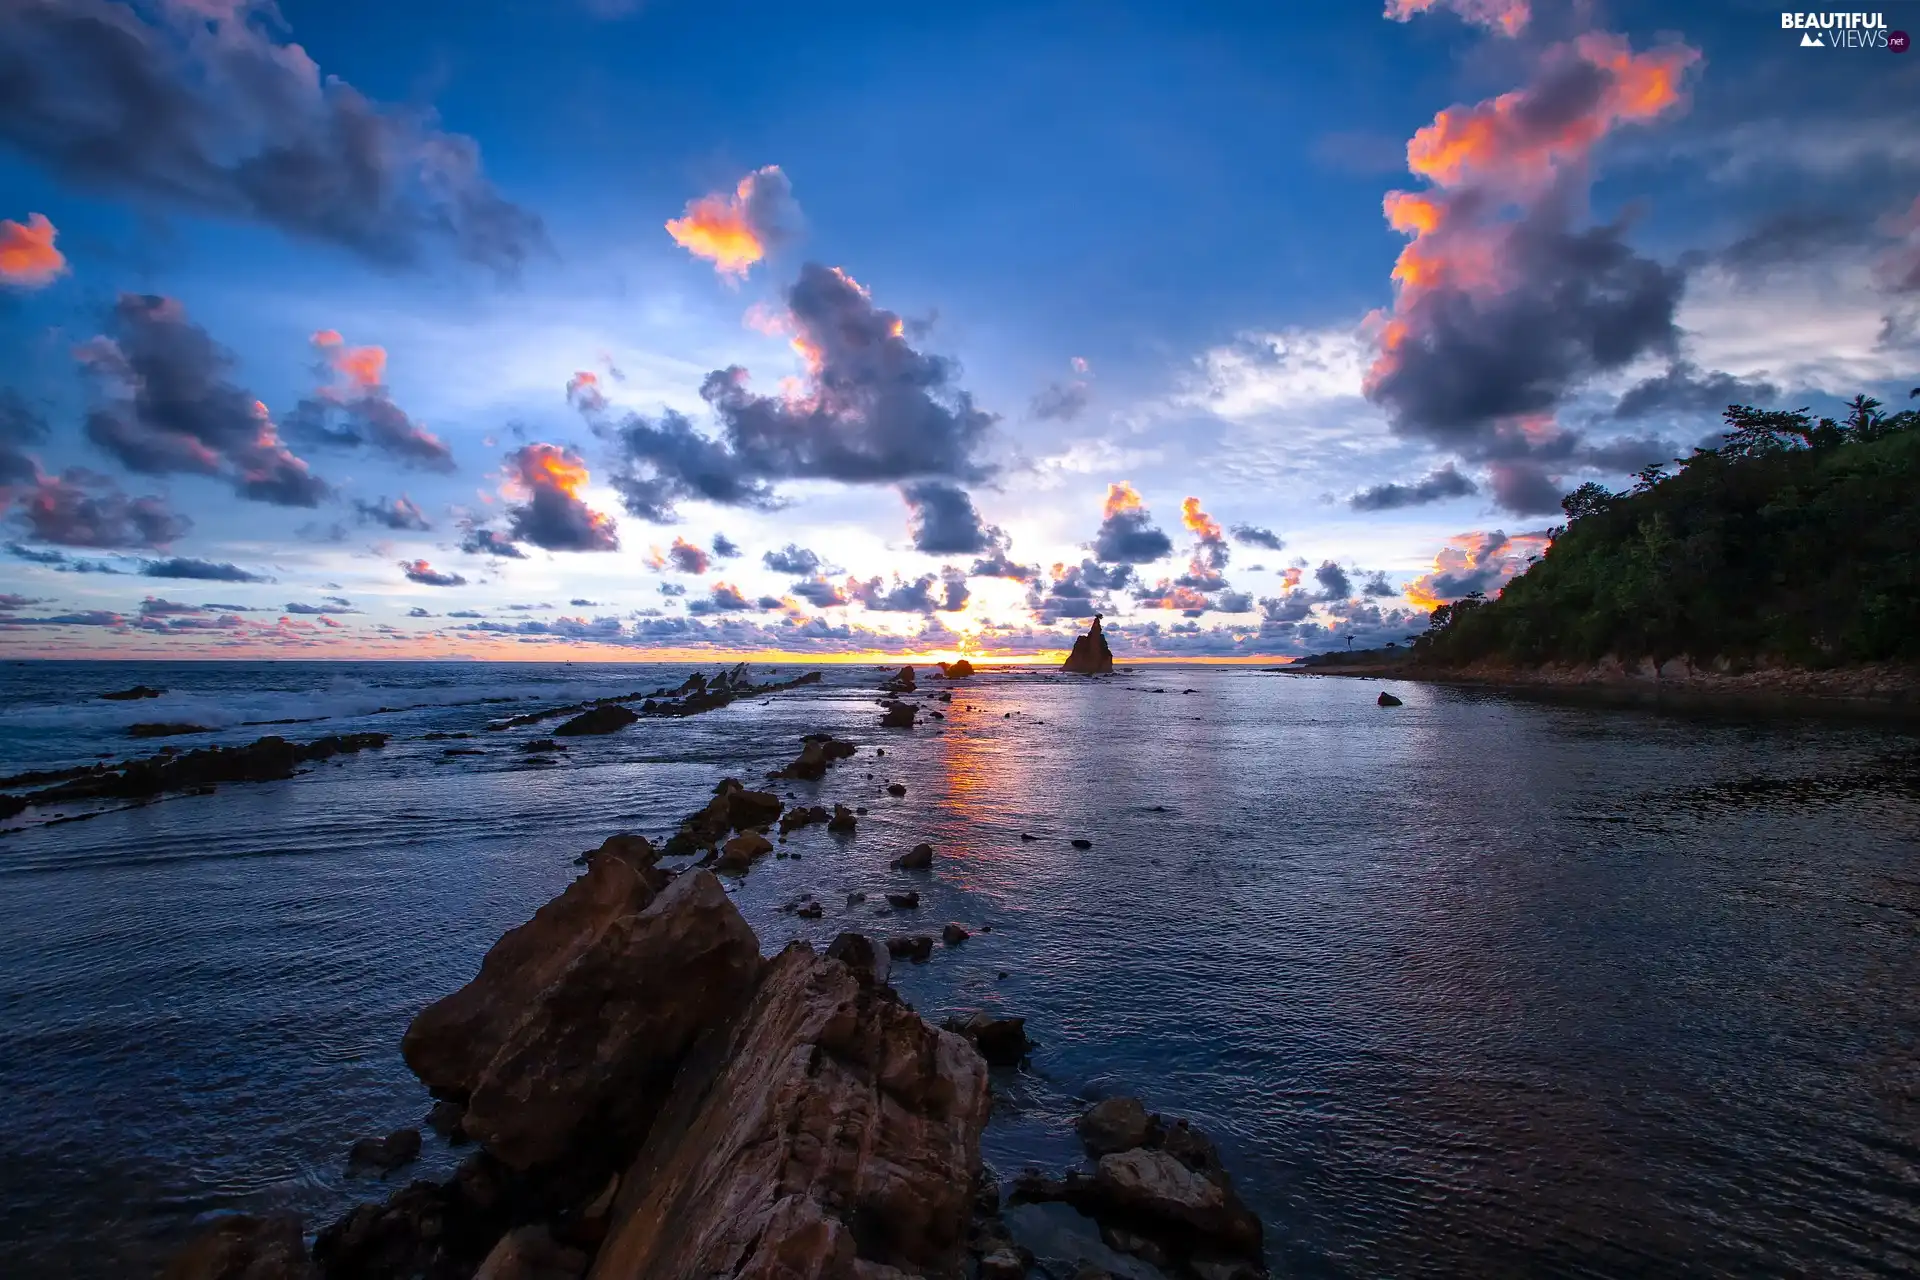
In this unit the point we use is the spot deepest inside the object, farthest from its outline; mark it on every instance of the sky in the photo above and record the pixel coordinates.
(608, 329)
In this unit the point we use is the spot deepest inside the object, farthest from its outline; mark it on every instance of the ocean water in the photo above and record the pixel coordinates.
(1478, 985)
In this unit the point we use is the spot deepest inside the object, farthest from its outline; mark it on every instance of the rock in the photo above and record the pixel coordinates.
(868, 961)
(636, 851)
(899, 715)
(1150, 1184)
(954, 934)
(384, 1155)
(818, 751)
(1081, 844)
(569, 1037)
(801, 816)
(738, 853)
(1116, 1124)
(444, 1118)
(948, 697)
(855, 898)
(905, 901)
(607, 718)
(163, 729)
(896, 788)
(917, 947)
(1001, 1041)
(842, 819)
(900, 682)
(956, 670)
(811, 910)
(424, 1229)
(918, 858)
(833, 1134)
(541, 744)
(531, 1253)
(1090, 656)
(1388, 700)
(244, 1247)
(130, 695)
(732, 808)
(1027, 839)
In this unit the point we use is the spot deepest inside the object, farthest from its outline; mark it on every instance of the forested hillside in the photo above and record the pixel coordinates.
(1796, 542)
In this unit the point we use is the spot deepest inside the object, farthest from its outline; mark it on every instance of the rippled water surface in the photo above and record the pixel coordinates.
(1472, 986)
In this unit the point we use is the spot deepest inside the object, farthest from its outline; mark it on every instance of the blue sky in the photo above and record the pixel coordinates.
(1122, 244)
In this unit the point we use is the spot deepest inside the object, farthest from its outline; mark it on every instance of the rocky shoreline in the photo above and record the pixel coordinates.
(647, 1096)
(1881, 685)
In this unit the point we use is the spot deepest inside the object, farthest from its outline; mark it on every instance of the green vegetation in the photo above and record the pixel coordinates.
(1796, 542)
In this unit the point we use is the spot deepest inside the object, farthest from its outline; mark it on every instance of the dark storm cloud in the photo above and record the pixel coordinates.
(1254, 535)
(427, 576)
(1788, 239)
(1061, 401)
(400, 514)
(1628, 453)
(81, 509)
(203, 570)
(1127, 534)
(20, 425)
(488, 542)
(170, 407)
(1583, 303)
(725, 547)
(943, 520)
(1435, 486)
(553, 515)
(1685, 390)
(1524, 488)
(875, 411)
(946, 592)
(793, 559)
(210, 111)
(1333, 580)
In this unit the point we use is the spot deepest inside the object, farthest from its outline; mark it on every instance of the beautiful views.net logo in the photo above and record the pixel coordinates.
(1844, 31)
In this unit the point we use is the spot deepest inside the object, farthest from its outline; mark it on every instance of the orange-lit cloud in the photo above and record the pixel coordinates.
(584, 394)
(1509, 17)
(1122, 497)
(734, 231)
(1473, 562)
(1199, 522)
(28, 259)
(354, 407)
(546, 480)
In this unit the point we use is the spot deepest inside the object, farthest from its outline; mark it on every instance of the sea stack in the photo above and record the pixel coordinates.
(1090, 656)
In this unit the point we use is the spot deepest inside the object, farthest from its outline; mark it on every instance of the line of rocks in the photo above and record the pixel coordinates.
(697, 693)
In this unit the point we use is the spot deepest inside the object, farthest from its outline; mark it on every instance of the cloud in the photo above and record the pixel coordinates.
(1255, 536)
(1334, 582)
(1683, 390)
(687, 558)
(1061, 401)
(1377, 585)
(943, 521)
(28, 259)
(161, 607)
(20, 425)
(1076, 590)
(400, 514)
(552, 514)
(672, 589)
(199, 105)
(1473, 562)
(465, 613)
(1210, 550)
(1436, 486)
(725, 547)
(721, 598)
(584, 394)
(792, 559)
(1524, 488)
(998, 564)
(315, 610)
(821, 593)
(202, 570)
(59, 561)
(871, 410)
(1900, 272)
(427, 576)
(734, 231)
(82, 509)
(1509, 17)
(1126, 534)
(488, 542)
(169, 407)
(1502, 304)
(354, 408)
(418, 612)
(917, 596)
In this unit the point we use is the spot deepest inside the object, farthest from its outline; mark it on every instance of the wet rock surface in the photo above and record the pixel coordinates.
(245, 1247)
(130, 695)
(607, 719)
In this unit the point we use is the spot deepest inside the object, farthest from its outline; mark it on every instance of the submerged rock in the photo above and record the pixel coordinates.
(163, 729)
(905, 901)
(832, 1132)
(384, 1155)
(129, 695)
(603, 719)
(244, 1247)
(1090, 656)
(954, 934)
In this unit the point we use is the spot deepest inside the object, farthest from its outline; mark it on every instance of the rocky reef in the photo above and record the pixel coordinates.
(1090, 656)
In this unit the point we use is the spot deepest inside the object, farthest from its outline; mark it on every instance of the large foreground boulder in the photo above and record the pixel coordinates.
(831, 1132)
(1090, 656)
(566, 1043)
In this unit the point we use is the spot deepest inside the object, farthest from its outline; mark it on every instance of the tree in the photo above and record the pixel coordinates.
(1589, 499)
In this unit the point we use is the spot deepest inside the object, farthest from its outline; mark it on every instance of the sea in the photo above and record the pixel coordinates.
(1478, 985)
